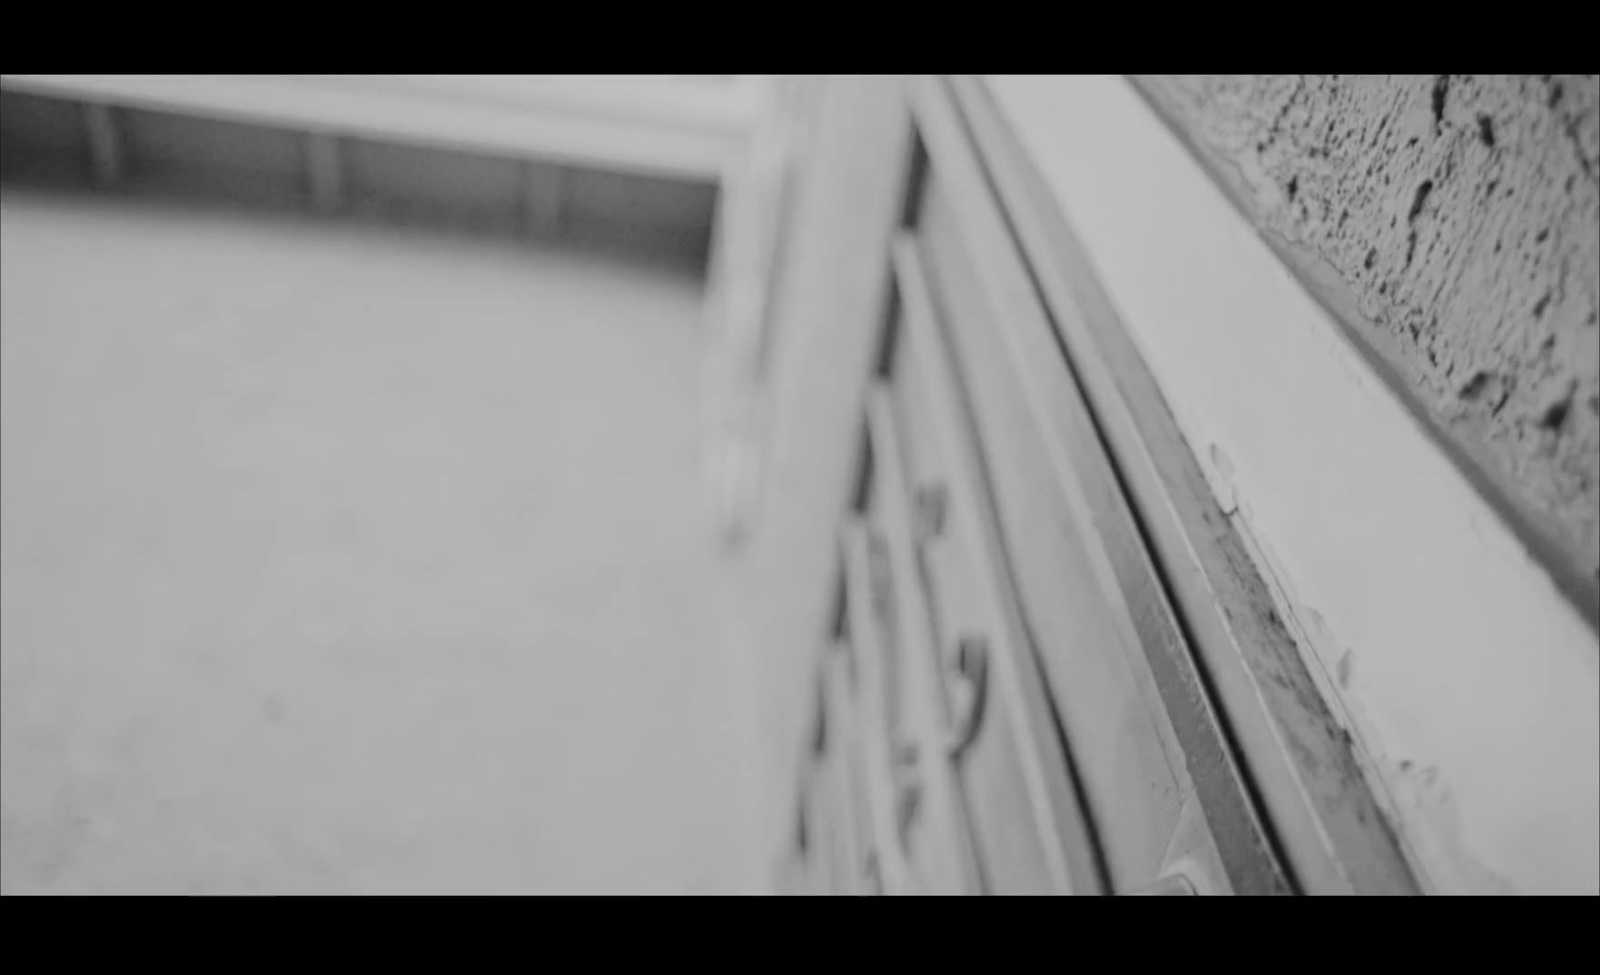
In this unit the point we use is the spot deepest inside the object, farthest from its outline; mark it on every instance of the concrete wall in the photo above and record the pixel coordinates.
(1452, 224)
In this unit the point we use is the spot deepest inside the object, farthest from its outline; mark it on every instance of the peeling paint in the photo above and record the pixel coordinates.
(1311, 634)
(1222, 481)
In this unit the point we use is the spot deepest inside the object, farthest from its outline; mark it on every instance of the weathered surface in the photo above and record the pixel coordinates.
(1453, 223)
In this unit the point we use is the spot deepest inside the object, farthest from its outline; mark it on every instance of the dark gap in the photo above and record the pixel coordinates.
(889, 334)
(819, 737)
(1423, 189)
(1556, 416)
(841, 615)
(916, 179)
(864, 470)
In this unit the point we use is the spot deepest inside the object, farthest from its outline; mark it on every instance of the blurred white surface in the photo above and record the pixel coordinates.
(341, 562)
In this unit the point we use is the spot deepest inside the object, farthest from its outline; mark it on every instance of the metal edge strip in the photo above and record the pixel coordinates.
(1150, 633)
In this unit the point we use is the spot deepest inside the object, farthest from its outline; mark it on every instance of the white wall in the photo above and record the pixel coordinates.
(343, 560)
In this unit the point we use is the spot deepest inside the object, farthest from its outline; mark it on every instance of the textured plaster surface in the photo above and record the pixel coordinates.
(1453, 221)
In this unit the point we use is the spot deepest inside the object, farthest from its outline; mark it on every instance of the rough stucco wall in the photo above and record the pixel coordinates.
(1453, 223)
